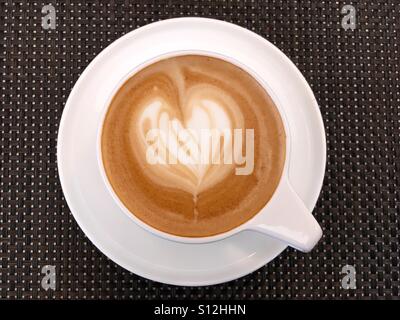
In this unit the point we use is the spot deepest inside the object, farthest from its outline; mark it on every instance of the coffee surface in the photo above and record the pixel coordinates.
(184, 97)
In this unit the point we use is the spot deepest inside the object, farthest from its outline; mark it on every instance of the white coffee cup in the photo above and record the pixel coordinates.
(284, 217)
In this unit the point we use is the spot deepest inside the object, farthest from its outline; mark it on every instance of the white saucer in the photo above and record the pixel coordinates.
(114, 233)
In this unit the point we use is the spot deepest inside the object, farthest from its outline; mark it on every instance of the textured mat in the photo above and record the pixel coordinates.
(353, 73)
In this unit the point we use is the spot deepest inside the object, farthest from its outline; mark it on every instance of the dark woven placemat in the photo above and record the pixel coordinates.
(354, 75)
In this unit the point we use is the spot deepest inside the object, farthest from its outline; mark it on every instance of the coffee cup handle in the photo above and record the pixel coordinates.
(286, 218)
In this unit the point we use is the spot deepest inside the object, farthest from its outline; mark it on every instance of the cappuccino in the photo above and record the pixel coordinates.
(193, 145)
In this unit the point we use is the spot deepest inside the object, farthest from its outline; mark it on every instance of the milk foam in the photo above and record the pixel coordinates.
(205, 107)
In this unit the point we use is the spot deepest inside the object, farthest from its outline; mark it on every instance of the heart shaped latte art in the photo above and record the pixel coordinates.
(200, 109)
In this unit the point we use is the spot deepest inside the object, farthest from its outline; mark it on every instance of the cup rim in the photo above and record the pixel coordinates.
(247, 225)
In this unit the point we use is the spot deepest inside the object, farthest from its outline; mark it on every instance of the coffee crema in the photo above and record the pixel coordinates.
(193, 92)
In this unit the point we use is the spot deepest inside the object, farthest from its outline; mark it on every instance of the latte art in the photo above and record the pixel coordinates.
(182, 137)
(193, 145)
